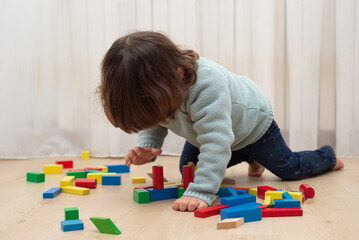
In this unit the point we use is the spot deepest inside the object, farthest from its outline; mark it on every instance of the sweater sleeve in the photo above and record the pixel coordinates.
(152, 137)
(211, 115)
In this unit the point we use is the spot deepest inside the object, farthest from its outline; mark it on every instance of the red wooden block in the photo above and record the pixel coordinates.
(209, 211)
(263, 206)
(261, 190)
(303, 198)
(157, 177)
(144, 187)
(188, 175)
(93, 168)
(76, 170)
(307, 190)
(247, 189)
(282, 212)
(66, 163)
(86, 182)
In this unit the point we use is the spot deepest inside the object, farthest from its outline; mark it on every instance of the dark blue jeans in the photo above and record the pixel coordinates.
(272, 152)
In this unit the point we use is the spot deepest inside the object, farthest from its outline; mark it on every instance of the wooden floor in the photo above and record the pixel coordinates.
(24, 214)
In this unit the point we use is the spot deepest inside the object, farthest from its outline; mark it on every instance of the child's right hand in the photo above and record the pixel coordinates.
(140, 156)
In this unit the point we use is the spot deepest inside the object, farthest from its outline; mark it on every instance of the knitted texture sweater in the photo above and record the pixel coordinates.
(223, 112)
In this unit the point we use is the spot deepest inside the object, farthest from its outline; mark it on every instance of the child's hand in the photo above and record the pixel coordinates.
(189, 203)
(140, 156)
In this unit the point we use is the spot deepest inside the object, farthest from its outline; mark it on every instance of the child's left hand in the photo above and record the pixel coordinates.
(189, 203)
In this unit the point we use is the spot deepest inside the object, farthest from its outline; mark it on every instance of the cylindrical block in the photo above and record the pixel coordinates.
(157, 177)
(307, 190)
(188, 175)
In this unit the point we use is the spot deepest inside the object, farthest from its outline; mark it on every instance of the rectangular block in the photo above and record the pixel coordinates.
(76, 190)
(71, 213)
(286, 195)
(297, 195)
(246, 189)
(286, 203)
(77, 174)
(253, 191)
(237, 200)
(66, 163)
(230, 223)
(98, 176)
(164, 193)
(209, 211)
(138, 179)
(228, 192)
(85, 154)
(241, 192)
(250, 212)
(67, 181)
(141, 196)
(118, 168)
(86, 182)
(105, 225)
(274, 194)
(181, 191)
(144, 187)
(267, 200)
(52, 168)
(35, 177)
(52, 192)
(262, 189)
(72, 225)
(111, 180)
(282, 212)
(103, 168)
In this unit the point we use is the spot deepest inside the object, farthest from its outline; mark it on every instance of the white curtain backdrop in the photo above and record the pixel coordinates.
(304, 54)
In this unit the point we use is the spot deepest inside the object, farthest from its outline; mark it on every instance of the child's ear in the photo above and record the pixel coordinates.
(180, 72)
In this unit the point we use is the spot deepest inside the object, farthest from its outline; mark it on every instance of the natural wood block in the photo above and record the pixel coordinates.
(230, 223)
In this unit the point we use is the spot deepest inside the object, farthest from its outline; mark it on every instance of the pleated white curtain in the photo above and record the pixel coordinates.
(303, 54)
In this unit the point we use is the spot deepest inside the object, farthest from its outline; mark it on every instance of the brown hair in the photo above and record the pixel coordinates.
(144, 78)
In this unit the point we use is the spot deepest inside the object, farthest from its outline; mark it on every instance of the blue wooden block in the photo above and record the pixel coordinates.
(52, 192)
(284, 203)
(72, 225)
(220, 192)
(118, 168)
(164, 193)
(286, 195)
(241, 192)
(229, 191)
(239, 199)
(250, 212)
(111, 180)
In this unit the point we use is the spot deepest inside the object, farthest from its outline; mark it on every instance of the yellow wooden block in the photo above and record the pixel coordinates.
(253, 191)
(192, 164)
(167, 184)
(230, 223)
(179, 184)
(104, 168)
(76, 190)
(98, 176)
(85, 155)
(53, 168)
(138, 179)
(296, 195)
(67, 181)
(274, 194)
(267, 200)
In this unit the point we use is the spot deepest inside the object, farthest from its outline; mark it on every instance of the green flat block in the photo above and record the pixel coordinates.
(105, 225)
(71, 213)
(77, 174)
(35, 177)
(141, 196)
(181, 192)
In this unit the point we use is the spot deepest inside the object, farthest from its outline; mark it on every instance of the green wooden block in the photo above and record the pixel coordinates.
(77, 174)
(105, 225)
(35, 177)
(141, 196)
(181, 192)
(71, 213)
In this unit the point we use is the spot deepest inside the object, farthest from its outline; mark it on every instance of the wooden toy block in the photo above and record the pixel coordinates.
(164, 193)
(85, 169)
(263, 205)
(180, 192)
(245, 189)
(253, 191)
(105, 225)
(72, 225)
(229, 192)
(164, 179)
(286, 203)
(52, 168)
(111, 180)
(209, 211)
(35, 177)
(167, 184)
(52, 192)
(250, 212)
(297, 195)
(141, 196)
(157, 177)
(221, 192)
(262, 189)
(67, 181)
(274, 194)
(282, 212)
(103, 168)
(230, 223)
(228, 181)
(66, 163)
(303, 198)
(286, 195)
(98, 176)
(179, 185)
(76, 190)
(71, 213)
(77, 174)
(144, 187)
(192, 164)
(86, 182)
(267, 200)
(138, 179)
(188, 175)
(85, 154)
(241, 192)
(238, 200)
(93, 171)
(118, 168)
(307, 190)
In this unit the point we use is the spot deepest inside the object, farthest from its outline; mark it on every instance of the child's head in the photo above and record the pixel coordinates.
(143, 80)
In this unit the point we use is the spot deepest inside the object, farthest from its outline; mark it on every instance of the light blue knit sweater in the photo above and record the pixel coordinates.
(223, 112)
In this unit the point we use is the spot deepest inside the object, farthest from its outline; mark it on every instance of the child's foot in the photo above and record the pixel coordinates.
(255, 169)
(338, 165)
